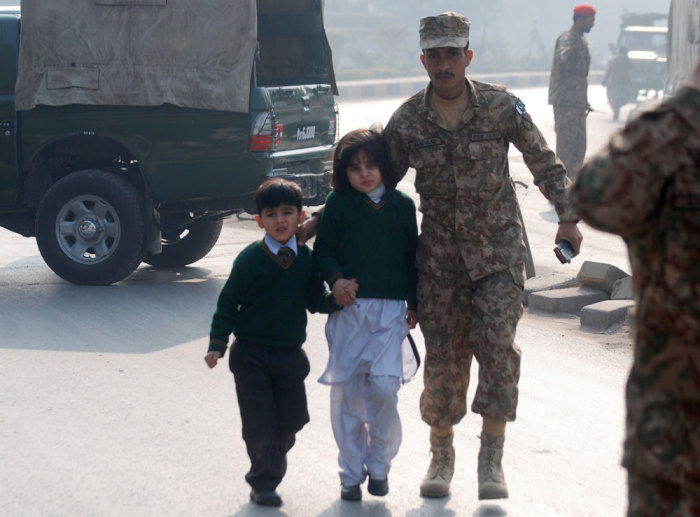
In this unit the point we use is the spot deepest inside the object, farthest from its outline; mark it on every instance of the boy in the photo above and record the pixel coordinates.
(263, 303)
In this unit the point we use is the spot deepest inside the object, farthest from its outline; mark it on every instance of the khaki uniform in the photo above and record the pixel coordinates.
(470, 252)
(568, 94)
(618, 83)
(645, 186)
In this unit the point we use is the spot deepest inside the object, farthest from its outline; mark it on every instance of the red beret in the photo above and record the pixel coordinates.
(584, 10)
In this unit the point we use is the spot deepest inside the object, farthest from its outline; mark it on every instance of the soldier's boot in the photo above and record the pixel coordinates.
(442, 467)
(492, 482)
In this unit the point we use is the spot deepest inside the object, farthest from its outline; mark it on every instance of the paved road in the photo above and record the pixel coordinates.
(107, 408)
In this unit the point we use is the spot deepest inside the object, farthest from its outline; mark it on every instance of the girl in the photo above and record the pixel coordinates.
(368, 235)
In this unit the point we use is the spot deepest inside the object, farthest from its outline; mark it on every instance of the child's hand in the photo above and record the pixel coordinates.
(411, 319)
(344, 291)
(212, 358)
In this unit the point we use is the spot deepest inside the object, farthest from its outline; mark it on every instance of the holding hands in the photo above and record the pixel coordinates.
(344, 291)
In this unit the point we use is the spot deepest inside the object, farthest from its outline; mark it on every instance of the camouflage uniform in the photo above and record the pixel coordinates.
(568, 94)
(471, 253)
(646, 187)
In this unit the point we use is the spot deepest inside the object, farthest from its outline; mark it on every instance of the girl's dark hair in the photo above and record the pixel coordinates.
(278, 191)
(373, 144)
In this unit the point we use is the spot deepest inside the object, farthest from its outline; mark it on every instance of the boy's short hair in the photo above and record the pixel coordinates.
(372, 142)
(278, 191)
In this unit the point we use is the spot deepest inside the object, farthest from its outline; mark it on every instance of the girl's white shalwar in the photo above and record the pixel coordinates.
(365, 368)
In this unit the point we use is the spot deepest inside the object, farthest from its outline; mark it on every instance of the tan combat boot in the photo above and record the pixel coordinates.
(442, 466)
(492, 482)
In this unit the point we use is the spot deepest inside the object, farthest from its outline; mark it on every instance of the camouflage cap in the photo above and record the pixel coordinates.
(444, 30)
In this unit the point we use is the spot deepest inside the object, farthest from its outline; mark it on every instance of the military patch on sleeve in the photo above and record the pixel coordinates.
(520, 109)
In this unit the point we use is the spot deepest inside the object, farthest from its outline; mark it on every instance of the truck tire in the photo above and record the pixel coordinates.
(90, 228)
(185, 246)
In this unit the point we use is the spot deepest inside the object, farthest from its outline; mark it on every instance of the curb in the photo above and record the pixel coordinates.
(406, 86)
(590, 300)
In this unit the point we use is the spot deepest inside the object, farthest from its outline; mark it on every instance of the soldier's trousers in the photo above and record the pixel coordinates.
(461, 319)
(655, 497)
(570, 127)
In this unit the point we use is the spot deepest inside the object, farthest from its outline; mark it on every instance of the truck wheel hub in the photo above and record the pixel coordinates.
(89, 229)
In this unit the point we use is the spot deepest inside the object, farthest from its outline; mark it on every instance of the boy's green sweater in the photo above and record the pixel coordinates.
(374, 243)
(264, 301)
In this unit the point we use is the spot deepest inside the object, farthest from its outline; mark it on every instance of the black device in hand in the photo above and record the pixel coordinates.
(564, 251)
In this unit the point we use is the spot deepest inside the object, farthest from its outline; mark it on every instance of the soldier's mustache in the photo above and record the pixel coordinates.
(444, 75)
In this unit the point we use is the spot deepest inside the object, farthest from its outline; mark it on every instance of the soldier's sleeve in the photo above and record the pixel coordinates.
(563, 47)
(547, 170)
(619, 188)
(398, 148)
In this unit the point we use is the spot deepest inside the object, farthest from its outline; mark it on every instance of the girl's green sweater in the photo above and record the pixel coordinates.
(374, 243)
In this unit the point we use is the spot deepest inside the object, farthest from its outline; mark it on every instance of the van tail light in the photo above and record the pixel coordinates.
(262, 137)
(333, 126)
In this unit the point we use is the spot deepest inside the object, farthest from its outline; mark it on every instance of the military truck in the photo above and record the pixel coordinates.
(131, 128)
(644, 36)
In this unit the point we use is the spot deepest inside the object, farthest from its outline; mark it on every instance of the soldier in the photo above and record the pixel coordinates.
(645, 186)
(618, 81)
(568, 89)
(456, 134)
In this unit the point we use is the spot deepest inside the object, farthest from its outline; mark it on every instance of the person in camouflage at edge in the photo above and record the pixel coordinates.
(568, 89)
(471, 255)
(645, 186)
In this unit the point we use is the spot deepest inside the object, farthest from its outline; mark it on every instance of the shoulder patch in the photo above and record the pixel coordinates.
(524, 115)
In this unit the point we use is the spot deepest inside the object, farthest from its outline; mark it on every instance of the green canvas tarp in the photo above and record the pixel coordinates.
(190, 53)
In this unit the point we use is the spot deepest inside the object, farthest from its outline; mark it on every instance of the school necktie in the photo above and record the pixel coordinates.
(285, 254)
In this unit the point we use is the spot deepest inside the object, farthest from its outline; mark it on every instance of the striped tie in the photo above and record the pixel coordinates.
(285, 254)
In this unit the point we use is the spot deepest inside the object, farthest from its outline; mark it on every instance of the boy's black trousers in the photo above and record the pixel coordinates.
(272, 401)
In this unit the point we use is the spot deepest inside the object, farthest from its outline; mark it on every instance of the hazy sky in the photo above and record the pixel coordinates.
(513, 22)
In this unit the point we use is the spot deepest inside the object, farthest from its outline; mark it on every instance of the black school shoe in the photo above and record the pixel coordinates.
(378, 486)
(269, 498)
(350, 492)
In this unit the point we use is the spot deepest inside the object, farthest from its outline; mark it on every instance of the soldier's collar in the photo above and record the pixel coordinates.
(472, 94)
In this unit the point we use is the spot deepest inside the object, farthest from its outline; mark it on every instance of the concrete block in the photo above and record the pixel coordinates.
(548, 282)
(599, 275)
(605, 314)
(570, 300)
(623, 289)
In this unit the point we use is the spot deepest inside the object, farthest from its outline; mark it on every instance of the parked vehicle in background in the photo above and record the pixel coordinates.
(645, 38)
(131, 129)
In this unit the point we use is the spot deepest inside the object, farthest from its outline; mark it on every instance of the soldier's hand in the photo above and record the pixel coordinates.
(411, 318)
(571, 233)
(308, 229)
